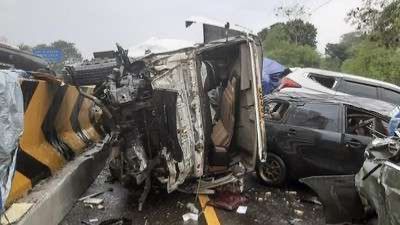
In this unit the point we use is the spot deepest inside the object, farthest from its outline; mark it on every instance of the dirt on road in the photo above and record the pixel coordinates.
(266, 205)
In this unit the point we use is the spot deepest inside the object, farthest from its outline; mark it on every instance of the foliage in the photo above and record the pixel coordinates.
(295, 31)
(292, 55)
(387, 29)
(337, 53)
(332, 64)
(366, 15)
(293, 12)
(380, 19)
(291, 43)
(375, 51)
(302, 33)
(373, 60)
(70, 53)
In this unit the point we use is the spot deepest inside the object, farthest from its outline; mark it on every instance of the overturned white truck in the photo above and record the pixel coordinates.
(186, 115)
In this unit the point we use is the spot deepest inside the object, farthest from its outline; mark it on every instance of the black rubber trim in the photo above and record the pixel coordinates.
(74, 120)
(48, 125)
(31, 167)
(28, 89)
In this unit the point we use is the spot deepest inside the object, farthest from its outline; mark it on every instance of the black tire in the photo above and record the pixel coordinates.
(273, 172)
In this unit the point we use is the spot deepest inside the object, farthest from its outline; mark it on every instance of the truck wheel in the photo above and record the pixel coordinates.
(273, 171)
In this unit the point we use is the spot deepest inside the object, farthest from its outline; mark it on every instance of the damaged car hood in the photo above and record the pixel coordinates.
(378, 181)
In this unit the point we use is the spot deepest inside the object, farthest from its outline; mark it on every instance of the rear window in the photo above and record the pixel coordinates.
(390, 96)
(325, 81)
(358, 89)
(317, 116)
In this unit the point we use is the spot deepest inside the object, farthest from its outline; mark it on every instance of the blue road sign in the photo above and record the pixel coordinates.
(53, 55)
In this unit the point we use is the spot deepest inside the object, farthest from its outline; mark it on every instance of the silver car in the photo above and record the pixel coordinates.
(311, 80)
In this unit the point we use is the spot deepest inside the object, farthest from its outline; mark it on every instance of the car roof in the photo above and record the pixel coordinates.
(349, 76)
(373, 105)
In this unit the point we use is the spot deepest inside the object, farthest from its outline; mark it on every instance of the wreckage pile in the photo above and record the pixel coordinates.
(174, 117)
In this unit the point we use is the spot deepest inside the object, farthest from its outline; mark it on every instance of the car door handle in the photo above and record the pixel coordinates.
(291, 132)
(353, 144)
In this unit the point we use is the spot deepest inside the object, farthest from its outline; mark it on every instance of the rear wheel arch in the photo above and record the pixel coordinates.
(276, 176)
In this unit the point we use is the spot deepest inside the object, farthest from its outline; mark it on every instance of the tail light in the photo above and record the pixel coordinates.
(288, 83)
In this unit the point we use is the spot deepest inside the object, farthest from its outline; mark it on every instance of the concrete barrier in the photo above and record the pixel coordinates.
(55, 198)
(58, 127)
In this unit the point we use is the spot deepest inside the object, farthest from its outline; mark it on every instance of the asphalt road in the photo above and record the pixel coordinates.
(266, 205)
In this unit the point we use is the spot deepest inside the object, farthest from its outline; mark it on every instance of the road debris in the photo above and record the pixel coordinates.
(95, 194)
(241, 209)
(119, 221)
(260, 197)
(15, 212)
(299, 212)
(295, 221)
(94, 220)
(228, 200)
(192, 208)
(292, 193)
(312, 200)
(93, 201)
(190, 216)
(180, 204)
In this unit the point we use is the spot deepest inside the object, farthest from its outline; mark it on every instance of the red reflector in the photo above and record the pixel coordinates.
(288, 83)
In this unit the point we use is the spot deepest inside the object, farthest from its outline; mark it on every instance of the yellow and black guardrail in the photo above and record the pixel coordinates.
(58, 125)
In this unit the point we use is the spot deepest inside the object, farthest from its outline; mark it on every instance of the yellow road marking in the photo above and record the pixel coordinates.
(209, 212)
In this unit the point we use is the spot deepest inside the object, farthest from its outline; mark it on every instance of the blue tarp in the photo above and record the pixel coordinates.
(394, 124)
(271, 75)
(11, 126)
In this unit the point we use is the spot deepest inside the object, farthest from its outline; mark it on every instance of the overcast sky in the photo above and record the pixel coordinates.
(96, 25)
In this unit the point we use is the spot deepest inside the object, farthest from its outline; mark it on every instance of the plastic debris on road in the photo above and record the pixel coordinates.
(241, 209)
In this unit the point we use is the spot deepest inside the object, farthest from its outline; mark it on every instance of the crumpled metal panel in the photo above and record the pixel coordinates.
(339, 197)
(178, 74)
(381, 190)
(11, 123)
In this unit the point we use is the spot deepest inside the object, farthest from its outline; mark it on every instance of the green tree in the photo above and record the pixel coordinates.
(292, 43)
(302, 33)
(292, 55)
(380, 19)
(387, 28)
(378, 54)
(337, 53)
(293, 12)
(373, 60)
(332, 64)
(366, 15)
(70, 54)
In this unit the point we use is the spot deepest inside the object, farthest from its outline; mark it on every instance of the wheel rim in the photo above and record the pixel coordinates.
(271, 171)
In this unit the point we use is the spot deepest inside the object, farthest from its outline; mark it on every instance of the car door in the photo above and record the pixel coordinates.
(354, 143)
(276, 111)
(312, 139)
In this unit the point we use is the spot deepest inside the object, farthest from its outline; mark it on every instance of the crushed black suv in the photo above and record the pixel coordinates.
(310, 135)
